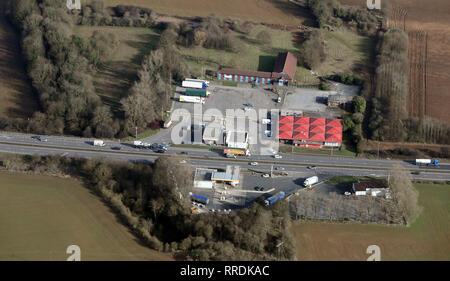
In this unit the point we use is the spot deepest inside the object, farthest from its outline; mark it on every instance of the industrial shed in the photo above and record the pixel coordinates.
(371, 187)
(283, 73)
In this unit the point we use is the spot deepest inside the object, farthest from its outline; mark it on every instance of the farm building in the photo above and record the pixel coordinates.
(371, 187)
(309, 131)
(283, 72)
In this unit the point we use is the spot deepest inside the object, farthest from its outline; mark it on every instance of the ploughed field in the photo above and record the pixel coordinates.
(41, 216)
(432, 17)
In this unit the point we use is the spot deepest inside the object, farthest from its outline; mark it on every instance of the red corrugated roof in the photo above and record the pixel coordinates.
(317, 129)
(310, 129)
(334, 122)
(316, 137)
(285, 127)
(285, 135)
(333, 138)
(301, 135)
(317, 121)
(301, 127)
(301, 120)
(286, 119)
(333, 130)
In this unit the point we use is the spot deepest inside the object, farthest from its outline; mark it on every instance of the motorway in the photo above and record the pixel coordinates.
(82, 147)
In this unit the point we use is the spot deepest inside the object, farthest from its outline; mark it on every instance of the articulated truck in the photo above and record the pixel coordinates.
(194, 84)
(200, 199)
(197, 92)
(197, 80)
(427, 162)
(192, 99)
(232, 152)
(274, 198)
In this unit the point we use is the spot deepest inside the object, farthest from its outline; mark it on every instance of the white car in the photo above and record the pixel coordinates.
(347, 193)
(265, 175)
(254, 163)
(183, 162)
(277, 156)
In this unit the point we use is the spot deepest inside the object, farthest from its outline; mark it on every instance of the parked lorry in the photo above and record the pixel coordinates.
(274, 198)
(194, 84)
(200, 199)
(197, 92)
(235, 151)
(197, 80)
(98, 143)
(427, 162)
(310, 181)
(192, 99)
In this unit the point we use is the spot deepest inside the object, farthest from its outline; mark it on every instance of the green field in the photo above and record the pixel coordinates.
(116, 77)
(41, 216)
(426, 239)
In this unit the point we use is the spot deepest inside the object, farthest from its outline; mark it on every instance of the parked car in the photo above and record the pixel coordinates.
(415, 173)
(311, 167)
(261, 189)
(248, 104)
(277, 156)
(279, 168)
(347, 193)
(256, 188)
(183, 162)
(254, 163)
(39, 138)
(265, 175)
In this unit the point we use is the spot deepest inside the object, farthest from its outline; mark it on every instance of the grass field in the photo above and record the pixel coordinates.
(426, 239)
(267, 11)
(115, 78)
(17, 98)
(41, 216)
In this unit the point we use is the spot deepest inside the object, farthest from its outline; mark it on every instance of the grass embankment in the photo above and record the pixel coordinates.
(426, 239)
(41, 216)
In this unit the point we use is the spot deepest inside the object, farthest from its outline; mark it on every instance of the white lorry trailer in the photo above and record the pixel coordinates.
(192, 99)
(193, 84)
(427, 162)
(197, 80)
(310, 181)
(98, 143)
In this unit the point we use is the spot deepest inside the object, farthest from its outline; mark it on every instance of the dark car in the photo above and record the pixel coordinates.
(415, 173)
(311, 167)
(116, 148)
(39, 138)
(160, 151)
(183, 152)
(261, 189)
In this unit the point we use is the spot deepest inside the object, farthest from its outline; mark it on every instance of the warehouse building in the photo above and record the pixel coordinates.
(282, 74)
(310, 132)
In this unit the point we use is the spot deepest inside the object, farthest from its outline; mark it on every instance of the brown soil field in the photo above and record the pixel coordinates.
(16, 95)
(264, 11)
(433, 17)
(426, 239)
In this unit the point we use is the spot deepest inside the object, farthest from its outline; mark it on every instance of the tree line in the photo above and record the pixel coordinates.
(60, 66)
(153, 201)
(332, 13)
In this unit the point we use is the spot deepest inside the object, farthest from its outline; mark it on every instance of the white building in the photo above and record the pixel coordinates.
(377, 188)
(237, 139)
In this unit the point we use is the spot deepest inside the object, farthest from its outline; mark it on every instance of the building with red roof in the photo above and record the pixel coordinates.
(310, 131)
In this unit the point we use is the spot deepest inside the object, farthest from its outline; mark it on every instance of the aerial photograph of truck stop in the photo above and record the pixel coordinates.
(261, 131)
